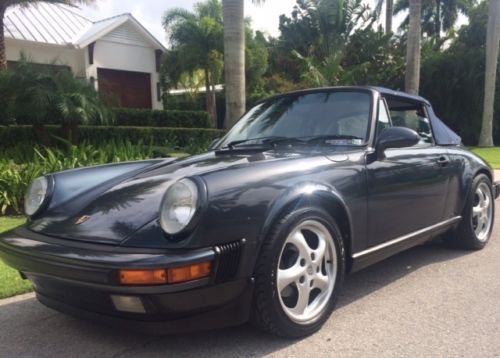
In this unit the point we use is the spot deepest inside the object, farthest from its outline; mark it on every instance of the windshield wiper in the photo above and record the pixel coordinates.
(263, 140)
(319, 138)
(273, 140)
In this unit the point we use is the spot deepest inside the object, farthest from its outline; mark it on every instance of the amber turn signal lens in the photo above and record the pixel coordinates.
(143, 277)
(188, 273)
(162, 276)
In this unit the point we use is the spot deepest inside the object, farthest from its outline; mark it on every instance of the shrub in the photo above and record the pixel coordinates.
(11, 136)
(185, 102)
(159, 118)
(48, 94)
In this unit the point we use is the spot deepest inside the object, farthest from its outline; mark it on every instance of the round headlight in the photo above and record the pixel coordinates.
(35, 195)
(178, 206)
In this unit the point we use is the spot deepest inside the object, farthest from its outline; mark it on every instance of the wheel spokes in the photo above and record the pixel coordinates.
(299, 241)
(303, 298)
(321, 281)
(319, 252)
(290, 275)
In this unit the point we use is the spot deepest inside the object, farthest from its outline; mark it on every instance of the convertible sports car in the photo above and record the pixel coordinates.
(307, 187)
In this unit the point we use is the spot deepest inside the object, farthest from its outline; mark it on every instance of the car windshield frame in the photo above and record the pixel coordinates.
(223, 144)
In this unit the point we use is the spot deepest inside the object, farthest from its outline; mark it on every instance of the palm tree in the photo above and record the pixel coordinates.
(412, 75)
(197, 38)
(234, 58)
(4, 4)
(389, 10)
(492, 44)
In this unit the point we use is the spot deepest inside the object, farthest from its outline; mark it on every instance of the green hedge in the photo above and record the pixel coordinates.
(96, 135)
(198, 102)
(148, 118)
(161, 118)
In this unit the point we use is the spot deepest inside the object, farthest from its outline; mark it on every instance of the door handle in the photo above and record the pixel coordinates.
(443, 161)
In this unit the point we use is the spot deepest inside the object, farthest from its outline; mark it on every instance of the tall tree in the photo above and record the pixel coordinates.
(4, 4)
(412, 75)
(389, 12)
(234, 60)
(492, 44)
(197, 38)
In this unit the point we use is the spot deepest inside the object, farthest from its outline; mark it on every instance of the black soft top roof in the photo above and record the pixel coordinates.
(443, 135)
(388, 92)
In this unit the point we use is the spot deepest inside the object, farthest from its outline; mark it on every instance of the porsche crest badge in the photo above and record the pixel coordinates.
(82, 219)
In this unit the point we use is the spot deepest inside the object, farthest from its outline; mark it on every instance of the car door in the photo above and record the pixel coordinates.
(407, 188)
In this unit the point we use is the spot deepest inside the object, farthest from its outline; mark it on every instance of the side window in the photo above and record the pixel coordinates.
(414, 119)
(383, 120)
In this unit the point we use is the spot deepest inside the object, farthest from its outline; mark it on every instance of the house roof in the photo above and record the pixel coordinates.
(46, 23)
(62, 25)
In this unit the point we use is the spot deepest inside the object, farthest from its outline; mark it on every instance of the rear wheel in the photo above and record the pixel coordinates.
(475, 228)
(299, 274)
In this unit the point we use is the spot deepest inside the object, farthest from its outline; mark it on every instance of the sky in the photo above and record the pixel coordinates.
(265, 17)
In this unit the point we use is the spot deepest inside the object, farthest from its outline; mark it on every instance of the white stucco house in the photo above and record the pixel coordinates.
(117, 54)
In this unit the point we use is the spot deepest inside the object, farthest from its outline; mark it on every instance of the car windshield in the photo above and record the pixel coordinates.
(340, 117)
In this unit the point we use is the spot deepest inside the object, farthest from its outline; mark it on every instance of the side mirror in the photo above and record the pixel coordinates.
(214, 143)
(395, 137)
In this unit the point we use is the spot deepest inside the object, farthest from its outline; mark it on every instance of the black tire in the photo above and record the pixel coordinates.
(268, 313)
(463, 236)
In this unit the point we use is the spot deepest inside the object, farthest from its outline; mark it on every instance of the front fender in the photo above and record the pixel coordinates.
(309, 194)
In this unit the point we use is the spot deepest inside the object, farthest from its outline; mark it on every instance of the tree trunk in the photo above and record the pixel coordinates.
(209, 99)
(214, 107)
(70, 131)
(3, 55)
(437, 22)
(389, 10)
(492, 43)
(42, 134)
(412, 75)
(234, 60)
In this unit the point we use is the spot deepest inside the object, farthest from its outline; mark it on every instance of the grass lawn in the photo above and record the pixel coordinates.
(491, 155)
(11, 283)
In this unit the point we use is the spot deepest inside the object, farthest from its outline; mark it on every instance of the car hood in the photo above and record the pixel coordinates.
(116, 207)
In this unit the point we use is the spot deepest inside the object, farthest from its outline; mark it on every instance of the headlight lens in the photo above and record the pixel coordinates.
(178, 206)
(35, 195)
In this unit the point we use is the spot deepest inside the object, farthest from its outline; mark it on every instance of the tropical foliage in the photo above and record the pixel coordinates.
(325, 42)
(196, 39)
(41, 94)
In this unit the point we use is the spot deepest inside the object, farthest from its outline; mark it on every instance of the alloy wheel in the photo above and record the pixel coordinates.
(306, 273)
(482, 211)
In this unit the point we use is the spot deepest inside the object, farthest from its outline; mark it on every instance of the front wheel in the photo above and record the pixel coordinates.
(299, 274)
(475, 228)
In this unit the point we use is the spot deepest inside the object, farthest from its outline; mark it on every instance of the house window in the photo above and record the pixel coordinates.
(158, 91)
(158, 54)
(91, 53)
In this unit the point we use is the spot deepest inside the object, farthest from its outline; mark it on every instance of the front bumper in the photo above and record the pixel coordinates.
(496, 190)
(83, 280)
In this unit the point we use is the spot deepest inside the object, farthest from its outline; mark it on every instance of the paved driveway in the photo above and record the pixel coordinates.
(428, 301)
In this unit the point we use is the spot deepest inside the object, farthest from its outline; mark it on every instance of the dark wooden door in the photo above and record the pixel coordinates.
(124, 88)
